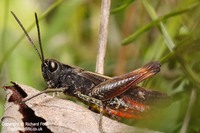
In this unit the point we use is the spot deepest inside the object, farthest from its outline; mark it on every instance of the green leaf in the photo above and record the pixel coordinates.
(147, 27)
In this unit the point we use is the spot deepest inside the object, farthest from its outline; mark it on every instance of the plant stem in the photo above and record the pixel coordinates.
(103, 35)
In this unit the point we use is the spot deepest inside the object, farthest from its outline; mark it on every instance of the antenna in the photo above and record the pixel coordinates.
(41, 56)
(39, 37)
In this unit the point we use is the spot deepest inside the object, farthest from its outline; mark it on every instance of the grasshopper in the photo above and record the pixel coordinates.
(118, 96)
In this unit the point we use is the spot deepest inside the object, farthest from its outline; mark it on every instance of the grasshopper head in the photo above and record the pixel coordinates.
(51, 70)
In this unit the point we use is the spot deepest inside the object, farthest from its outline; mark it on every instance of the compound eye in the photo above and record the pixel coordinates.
(53, 66)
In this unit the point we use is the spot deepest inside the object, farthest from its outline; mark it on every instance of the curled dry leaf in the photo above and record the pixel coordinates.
(45, 113)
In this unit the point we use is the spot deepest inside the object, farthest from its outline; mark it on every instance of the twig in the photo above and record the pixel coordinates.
(102, 43)
(103, 34)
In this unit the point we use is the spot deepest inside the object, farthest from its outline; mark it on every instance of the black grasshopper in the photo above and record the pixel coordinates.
(116, 96)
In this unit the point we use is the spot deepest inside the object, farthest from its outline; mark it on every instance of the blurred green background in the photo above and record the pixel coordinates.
(139, 32)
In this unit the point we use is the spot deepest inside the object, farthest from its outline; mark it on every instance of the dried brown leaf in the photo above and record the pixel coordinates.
(45, 113)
